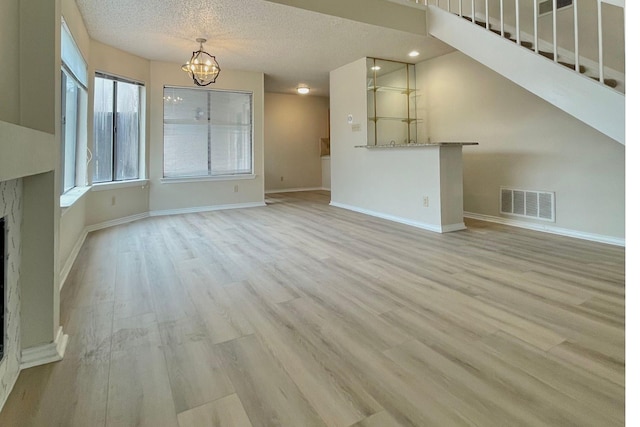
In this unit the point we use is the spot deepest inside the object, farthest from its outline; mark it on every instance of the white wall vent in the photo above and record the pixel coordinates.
(546, 6)
(527, 203)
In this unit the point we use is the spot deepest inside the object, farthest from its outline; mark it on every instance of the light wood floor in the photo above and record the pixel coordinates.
(300, 314)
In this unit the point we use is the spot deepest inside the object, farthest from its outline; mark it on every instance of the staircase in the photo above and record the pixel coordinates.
(612, 83)
(588, 89)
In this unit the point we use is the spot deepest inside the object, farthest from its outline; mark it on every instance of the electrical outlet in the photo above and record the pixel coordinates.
(281, 178)
(235, 188)
(425, 201)
(113, 200)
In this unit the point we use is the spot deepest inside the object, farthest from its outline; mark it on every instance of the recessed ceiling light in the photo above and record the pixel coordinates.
(375, 68)
(414, 53)
(303, 90)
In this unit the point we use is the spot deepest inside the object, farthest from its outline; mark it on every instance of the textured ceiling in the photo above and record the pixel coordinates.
(291, 46)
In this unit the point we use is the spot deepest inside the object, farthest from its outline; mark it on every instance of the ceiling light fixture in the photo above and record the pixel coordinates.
(376, 68)
(303, 90)
(202, 67)
(414, 53)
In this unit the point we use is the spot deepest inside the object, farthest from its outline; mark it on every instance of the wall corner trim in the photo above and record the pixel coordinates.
(45, 353)
(453, 227)
(610, 240)
(417, 224)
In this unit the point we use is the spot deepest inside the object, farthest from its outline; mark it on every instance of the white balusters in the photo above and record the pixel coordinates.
(600, 52)
(554, 13)
(486, 13)
(535, 26)
(575, 36)
(536, 20)
(518, 21)
(473, 11)
(502, 18)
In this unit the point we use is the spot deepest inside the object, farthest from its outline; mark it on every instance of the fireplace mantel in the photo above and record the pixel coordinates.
(32, 151)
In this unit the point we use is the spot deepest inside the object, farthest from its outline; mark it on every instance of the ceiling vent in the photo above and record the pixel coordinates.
(527, 203)
(546, 6)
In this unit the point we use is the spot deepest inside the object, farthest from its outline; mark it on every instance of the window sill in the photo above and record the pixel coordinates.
(115, 185)
(70, 197)
(178, 180)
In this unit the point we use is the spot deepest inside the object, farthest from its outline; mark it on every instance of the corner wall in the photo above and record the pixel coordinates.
(387, 183)
(118, 202)
(293, 127)
(525, 143)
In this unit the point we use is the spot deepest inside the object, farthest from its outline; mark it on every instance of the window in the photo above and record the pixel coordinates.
(74, 113)
(70, 118)
(116, 129)
(207, 133)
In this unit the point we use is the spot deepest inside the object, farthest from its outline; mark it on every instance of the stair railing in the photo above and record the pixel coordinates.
(577, 67)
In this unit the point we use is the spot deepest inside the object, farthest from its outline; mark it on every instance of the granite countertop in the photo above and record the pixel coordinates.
(426, 144)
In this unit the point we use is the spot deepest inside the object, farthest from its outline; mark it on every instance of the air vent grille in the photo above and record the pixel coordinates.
(528, 203)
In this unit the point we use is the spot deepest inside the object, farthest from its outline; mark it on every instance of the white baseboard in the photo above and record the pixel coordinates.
(294, 190)
(45, 353)
(117, 221)
(206, 208)
(617, 241)
(66, 268)
(418, 224)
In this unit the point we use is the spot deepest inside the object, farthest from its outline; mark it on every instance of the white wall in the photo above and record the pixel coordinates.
(525, 143)
(326, 172)
(169, 196)
(10, 64)
(293, 127)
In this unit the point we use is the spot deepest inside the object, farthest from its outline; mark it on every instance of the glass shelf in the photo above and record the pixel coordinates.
(397, 119)
(402, 90)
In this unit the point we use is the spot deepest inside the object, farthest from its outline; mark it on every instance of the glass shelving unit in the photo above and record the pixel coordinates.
(391, 102)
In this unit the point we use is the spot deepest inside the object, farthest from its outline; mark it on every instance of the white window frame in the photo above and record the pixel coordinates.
(76, 72)
(210, 176)
(141, 178)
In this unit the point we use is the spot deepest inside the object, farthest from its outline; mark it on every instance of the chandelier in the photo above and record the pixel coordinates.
(202, 67)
